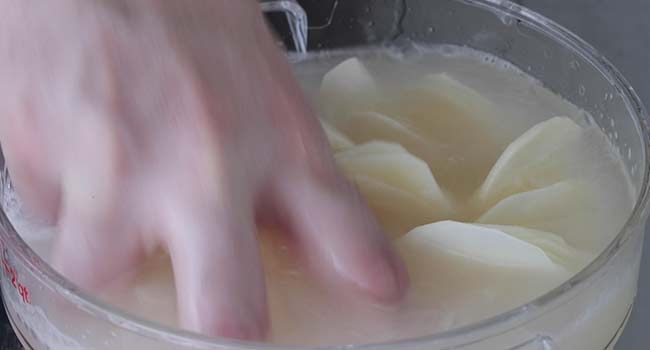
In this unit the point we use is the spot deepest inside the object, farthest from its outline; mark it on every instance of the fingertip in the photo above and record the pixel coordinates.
(218, 274)
(347, 240)
(378, 274)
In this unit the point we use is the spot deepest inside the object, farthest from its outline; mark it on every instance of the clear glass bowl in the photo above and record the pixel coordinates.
(587, 312)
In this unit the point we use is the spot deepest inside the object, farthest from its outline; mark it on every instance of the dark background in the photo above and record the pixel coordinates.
(619, 29)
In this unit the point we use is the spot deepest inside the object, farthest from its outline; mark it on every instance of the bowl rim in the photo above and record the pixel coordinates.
(480, 330)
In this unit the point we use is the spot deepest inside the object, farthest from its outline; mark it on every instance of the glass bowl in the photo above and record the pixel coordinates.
(587, 312)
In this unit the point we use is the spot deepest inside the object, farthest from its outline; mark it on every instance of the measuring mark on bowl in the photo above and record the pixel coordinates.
(22, 289)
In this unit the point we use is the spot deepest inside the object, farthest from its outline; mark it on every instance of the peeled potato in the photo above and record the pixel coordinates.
(562, 178)
(480, 244)
(540, 157)
(458, 121)
(582, 212)
(474, 272)
(397, 211)
(397, 186)
(338, 141)
(374, 126)
(348, 87)
(393, 165)
(553, 245)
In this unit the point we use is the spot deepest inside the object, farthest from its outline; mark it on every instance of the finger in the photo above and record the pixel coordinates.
(94, 250)
(97, 246)
(342, 236)
(217, 270)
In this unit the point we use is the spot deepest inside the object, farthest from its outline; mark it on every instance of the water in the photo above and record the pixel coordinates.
(465, 121)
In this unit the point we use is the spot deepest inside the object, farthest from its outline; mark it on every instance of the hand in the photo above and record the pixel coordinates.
(139, 124)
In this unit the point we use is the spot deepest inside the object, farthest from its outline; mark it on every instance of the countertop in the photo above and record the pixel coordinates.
(621, 30)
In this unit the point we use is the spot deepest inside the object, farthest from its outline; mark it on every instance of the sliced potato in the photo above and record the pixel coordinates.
(397, 186)
(393, 165)
(553, 245)
(338, 141)
(459, 124)
(347, 88)
(479, 244)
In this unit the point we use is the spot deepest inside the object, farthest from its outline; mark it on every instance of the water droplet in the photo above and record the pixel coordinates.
(575, 65)
(431, 30)
(371, 24)
(547, 54)
(612, 123)
(582, 90)
(629, 153)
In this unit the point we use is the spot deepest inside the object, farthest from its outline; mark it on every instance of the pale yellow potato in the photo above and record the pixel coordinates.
(398, 187)
(373, 126)
(541, 156)
(338, 140)
(459, 124)
(393, 165)
(586, 213)
(397, 211)
(482, 245)
(559, 177)
(553, 245)
(347, 88)
(473, 272)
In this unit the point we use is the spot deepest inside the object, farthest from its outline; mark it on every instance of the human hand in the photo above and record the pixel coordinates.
(138, 124)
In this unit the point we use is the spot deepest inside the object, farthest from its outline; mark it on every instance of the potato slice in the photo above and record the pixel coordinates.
(458, 121)
(553, 245)
(397, 211)
(482, 245)
(348, 87)
(540, 157)
(474, 272)
(373, 126)
(588, 213)
(338, 140)
(393, 165)
(562, 178)
(397, 186)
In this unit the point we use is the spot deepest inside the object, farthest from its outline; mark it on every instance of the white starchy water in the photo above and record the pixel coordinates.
(493, 189)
